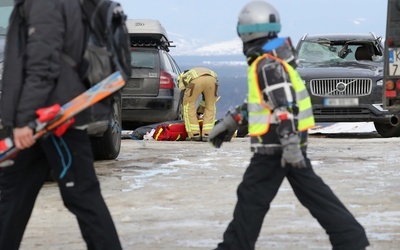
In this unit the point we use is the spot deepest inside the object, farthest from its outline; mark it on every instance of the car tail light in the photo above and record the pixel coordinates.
(166, 80)
(390, 88)
(389, 85)
(390, 93)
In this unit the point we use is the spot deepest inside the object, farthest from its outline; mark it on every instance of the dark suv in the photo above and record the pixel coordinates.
(151, 95)
(344, 76)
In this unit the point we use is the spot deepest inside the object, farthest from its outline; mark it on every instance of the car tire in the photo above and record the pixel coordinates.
(387, 130)
(179, 116)
(107, 147)
(179, 112)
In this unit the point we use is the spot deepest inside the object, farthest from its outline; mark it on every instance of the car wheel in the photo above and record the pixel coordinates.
(387, 130)
(107, 147)
(179, 112)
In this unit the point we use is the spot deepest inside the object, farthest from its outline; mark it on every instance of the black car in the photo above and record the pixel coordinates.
(344, 76)
(151, 95)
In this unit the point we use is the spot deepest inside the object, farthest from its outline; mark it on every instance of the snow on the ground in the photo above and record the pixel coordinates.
(320, 128)
(343, 127)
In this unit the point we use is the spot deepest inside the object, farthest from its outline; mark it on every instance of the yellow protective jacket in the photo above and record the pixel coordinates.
(186, 77)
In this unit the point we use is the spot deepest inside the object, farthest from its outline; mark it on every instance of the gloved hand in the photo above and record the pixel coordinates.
(222, 129)
(291, 152)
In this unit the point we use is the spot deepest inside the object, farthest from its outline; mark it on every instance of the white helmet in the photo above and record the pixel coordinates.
(258, 19)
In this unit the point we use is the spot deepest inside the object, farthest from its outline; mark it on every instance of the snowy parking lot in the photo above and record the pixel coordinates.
(180, 195)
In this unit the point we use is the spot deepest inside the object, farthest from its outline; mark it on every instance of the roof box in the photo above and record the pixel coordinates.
(147, 32)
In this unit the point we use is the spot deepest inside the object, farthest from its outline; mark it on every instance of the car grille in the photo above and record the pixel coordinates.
(341, 87)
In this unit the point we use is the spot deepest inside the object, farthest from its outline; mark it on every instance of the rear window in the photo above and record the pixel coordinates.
(143, 59)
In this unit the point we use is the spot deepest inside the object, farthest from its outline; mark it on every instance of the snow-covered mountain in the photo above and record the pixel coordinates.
(202, 48)
(232, 76)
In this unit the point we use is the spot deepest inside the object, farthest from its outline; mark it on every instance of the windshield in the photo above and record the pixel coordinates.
(6, 7)
(345, 51)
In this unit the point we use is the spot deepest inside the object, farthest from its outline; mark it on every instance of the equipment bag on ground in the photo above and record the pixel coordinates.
(170, 132)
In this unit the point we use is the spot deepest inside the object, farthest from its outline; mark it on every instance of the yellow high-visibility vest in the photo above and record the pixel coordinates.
(259, 111)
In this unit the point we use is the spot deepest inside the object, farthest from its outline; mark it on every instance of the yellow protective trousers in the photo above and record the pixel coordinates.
(206, 85)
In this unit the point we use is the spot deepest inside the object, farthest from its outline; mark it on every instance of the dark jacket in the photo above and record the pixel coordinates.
(35, 75)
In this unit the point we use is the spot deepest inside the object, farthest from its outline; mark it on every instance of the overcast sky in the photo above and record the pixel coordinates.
(197, 26)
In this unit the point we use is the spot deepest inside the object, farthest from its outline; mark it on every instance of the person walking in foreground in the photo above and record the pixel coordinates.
(36, 76)
(278, 112)
(197, 81)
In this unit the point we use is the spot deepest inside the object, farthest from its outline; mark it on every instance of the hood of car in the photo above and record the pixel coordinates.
(340, 70)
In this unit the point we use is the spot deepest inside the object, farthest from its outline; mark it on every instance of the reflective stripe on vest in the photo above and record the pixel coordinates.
(305, 116)
(260, 114)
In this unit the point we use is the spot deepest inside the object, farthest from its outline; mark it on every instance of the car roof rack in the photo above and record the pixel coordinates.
(148, 33)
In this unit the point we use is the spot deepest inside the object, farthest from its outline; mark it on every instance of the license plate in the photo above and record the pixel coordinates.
(394, 62)
(341, 102)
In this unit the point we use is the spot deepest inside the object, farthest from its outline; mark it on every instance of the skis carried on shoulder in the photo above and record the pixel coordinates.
(55, 116)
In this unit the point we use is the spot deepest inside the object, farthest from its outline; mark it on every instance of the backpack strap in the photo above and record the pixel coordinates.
(115, 24)
(68, 59)
(21, 11)
(109, 22)
(88, 8)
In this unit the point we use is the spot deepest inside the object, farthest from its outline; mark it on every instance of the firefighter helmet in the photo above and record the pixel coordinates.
(258, 19)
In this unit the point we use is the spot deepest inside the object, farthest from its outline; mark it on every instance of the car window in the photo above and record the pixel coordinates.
(344, 51)
(175, 65)
(6, 7)
(143, 59)
(168, 66)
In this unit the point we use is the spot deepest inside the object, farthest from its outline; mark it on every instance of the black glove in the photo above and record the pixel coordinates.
(291, 151)
(226, 126)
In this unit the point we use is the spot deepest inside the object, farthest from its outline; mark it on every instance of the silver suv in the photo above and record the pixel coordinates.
(151, 95)
(344, 76)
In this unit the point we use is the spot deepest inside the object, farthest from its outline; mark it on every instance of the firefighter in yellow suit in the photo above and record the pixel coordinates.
(199, 81)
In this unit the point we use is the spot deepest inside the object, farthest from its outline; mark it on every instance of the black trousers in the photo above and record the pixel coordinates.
(260, 184)
(80, 190)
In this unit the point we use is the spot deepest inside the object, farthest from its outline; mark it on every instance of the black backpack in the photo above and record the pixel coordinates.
(107, 42)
